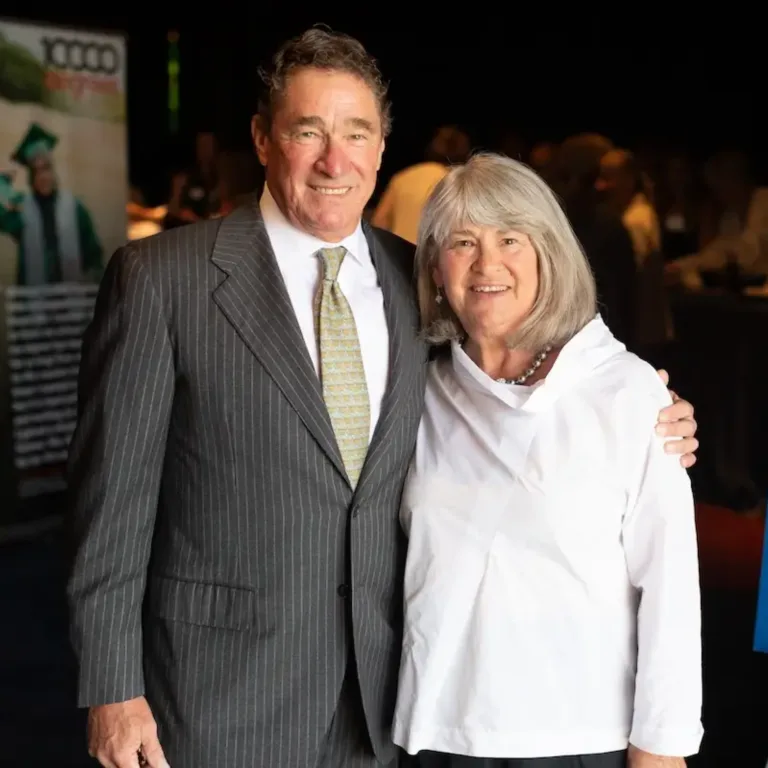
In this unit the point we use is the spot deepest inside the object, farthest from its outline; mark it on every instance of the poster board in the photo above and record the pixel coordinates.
(63, 195)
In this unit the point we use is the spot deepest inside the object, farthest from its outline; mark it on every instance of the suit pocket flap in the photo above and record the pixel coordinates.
(209, 605)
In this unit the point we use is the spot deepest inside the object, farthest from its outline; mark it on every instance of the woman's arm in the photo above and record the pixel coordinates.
(659, 538)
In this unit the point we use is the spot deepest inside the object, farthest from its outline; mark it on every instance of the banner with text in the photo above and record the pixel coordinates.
(63, 195)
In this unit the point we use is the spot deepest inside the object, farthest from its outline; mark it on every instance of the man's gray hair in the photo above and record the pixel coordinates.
(492, 190)
(322, 48)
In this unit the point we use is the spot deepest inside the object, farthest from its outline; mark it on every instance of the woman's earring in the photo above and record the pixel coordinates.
(439, 297)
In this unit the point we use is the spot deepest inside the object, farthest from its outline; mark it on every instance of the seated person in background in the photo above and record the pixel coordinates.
(195, 192)
(736, 229)
(179, 212)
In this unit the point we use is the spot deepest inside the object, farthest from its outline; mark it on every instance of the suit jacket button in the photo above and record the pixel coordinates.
(343, 590)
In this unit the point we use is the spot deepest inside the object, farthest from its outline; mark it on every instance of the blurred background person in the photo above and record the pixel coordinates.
(627, 191)
(606, 242)
(734, 229)
(195, 192)
(399, 209)
(542, 158)
(678, 202)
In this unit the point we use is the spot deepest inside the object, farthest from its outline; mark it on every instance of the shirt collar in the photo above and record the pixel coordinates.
(586, 351)
(282, 232)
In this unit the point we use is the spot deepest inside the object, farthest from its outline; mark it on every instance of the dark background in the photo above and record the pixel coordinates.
(645, 77)
(631, 71)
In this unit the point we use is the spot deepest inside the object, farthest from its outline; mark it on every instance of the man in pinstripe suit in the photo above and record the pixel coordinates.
(236, 588)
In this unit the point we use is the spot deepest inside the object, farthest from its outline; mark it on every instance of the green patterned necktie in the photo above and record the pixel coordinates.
(341, 367)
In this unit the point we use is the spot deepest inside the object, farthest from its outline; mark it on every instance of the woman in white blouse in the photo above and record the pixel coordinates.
(552, 614)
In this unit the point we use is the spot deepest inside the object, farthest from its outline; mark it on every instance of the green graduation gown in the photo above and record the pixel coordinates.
(50, 234)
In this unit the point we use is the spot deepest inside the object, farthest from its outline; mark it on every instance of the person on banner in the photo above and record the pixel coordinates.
(57, 241)
(250, 392)
(10, 199)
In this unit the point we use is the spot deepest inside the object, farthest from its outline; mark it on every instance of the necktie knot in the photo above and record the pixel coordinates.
(332, 258)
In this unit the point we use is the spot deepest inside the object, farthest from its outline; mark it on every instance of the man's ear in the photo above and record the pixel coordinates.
(260, 136)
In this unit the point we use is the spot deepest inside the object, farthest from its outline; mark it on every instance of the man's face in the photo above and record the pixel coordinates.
(323, 151)
(43, 178)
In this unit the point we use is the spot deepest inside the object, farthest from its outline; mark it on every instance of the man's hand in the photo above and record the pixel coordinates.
(124, 735)
(636, 758)
(677, 420)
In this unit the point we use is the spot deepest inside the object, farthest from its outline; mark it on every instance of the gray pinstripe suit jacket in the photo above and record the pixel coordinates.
(213, 522)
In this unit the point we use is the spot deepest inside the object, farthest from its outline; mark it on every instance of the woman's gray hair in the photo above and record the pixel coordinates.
(492, 190)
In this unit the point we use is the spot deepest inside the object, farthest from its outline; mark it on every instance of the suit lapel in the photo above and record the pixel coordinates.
(407, 356)
(254, 299)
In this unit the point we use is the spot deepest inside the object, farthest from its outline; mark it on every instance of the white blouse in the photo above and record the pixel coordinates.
(551, 588)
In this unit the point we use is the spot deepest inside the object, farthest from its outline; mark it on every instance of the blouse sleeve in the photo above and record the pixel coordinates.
(659, 539)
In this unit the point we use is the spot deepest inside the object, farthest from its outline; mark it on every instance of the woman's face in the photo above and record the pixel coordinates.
(490, 278)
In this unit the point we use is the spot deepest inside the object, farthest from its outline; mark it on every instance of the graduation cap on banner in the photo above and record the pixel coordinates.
(9, 197)
(36, 142)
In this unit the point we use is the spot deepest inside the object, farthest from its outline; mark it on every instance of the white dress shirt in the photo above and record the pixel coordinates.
(302, 270)
(551, 587)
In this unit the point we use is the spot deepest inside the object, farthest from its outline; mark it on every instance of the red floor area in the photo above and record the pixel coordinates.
(730, 548)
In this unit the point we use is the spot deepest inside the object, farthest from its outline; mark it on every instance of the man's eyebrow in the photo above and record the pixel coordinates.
(361, 122)
(310, 121)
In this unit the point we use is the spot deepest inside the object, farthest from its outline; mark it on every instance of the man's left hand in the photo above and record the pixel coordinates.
(676, 421)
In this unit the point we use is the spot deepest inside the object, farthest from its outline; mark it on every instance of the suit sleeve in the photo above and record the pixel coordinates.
(125, 396)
